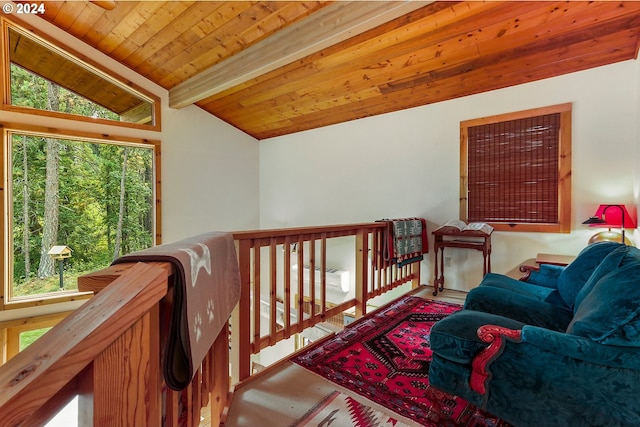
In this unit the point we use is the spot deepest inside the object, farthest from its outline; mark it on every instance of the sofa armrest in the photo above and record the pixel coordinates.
(542, 275)
(527, 269)
(560, 344)
(495, 336)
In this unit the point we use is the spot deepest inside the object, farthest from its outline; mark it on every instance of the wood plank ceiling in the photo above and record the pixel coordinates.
(399, 58)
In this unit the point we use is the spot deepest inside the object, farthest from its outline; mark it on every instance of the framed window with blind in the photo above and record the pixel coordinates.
(515, 170)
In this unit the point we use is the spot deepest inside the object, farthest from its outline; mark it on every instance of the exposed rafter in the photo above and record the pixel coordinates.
(331, 25)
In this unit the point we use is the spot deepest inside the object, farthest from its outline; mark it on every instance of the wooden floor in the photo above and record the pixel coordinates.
(274, 398)
(446, 295)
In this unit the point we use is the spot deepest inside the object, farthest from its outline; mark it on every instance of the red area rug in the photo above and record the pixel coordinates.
(385, 357)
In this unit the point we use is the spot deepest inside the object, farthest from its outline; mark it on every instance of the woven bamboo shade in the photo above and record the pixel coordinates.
(513, 170)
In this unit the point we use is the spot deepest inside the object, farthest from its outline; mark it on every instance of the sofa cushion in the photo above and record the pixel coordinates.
(536, 292)
(610, 313)
(623, 255)
(576, 274)
(522, 308)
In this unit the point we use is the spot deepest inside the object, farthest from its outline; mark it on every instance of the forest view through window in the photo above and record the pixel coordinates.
(96, 199)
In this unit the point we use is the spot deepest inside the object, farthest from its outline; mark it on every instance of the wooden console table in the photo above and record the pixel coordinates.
(477, 240)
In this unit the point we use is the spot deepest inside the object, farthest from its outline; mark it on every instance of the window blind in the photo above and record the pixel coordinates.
(513, 171)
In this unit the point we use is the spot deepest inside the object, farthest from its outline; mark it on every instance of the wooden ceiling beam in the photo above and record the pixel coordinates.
(332, 24)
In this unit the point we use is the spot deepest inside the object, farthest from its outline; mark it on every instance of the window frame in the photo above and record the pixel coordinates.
(564, 165)
(73, 127)
(12, 329)
(60, 48)
(7, 129)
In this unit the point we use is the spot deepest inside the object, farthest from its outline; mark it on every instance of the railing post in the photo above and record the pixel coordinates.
(126, 379)
(219, 375)
(241, 318)
(415, 270)
(362, 271)
(234, 344)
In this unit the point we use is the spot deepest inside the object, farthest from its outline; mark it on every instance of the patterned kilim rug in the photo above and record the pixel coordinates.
(385, 357)
(338, 409)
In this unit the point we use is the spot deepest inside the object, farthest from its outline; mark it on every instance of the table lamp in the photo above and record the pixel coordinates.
(610, 216)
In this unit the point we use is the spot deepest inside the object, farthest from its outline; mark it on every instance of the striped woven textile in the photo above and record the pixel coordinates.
(405, 240)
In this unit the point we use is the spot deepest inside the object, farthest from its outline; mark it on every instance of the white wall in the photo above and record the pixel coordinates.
(407, 164)
(209, 175)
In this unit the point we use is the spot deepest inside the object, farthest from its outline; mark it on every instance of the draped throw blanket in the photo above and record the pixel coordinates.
(206, 289)
(405, 240)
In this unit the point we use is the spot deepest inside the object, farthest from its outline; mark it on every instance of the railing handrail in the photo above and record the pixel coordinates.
(316, 229)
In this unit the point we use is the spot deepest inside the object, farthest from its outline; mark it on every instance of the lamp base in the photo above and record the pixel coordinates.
(609, 236)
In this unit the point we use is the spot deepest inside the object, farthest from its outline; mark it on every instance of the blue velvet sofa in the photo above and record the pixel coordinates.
(562, 349)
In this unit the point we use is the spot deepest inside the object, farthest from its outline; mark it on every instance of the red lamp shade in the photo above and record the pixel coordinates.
(613, 216)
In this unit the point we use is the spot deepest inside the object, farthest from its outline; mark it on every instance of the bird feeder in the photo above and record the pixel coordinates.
(60, 253)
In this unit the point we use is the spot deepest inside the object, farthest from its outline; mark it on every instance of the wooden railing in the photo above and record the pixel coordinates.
(108, 351)
(266, 259)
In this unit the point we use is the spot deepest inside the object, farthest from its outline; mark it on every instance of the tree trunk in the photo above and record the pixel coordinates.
(25, 209)
(116, 251)
(51, 196)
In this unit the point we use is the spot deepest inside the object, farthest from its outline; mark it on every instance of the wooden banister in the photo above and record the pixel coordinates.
(329, 230)
(75, 353)
(108, 354)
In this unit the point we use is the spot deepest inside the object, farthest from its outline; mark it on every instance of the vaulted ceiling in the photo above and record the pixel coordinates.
(277, 67)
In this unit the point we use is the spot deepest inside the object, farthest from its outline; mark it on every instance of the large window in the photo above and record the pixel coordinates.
(74, 204)
(516, 170)
(73, 199)
(71, 86)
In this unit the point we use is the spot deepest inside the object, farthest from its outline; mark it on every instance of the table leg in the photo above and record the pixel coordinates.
(484, 263)
(438, 279)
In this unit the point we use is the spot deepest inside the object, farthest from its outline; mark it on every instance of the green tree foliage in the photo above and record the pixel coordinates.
(30, 90)
(89, 193)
